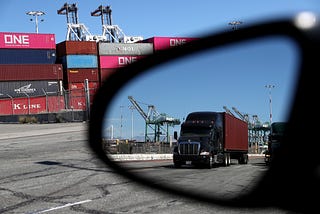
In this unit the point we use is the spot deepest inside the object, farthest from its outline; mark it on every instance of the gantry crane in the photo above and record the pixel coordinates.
(155, 121)
(112, 33)
(76, 31)
(228, 110)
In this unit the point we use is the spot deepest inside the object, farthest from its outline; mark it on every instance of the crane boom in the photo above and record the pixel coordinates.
(139, 109)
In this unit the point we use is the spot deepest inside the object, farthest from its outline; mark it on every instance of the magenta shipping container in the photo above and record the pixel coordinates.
(18, 72)
(117, 61)
(27, 40)
(160, 43)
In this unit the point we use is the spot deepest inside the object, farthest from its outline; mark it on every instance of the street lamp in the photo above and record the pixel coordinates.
(131, 108)
(235, 24)
(36, 14)
(270, 100)
(121, 117)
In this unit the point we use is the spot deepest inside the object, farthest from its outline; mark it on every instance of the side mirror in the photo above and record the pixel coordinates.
(227, 68)
(175, 135)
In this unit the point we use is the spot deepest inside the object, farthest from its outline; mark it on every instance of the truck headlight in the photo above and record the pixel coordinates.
(204, 153)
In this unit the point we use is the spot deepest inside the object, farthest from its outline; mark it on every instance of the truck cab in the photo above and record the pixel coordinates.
(208, 138)
(275, 138)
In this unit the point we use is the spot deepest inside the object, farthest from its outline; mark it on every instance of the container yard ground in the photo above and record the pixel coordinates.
(14, 130)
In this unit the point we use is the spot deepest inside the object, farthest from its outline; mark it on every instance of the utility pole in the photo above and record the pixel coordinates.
(270, 100)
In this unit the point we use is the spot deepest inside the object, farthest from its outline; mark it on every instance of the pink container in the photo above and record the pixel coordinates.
(117, 61)
(27, 40)
(160, 43)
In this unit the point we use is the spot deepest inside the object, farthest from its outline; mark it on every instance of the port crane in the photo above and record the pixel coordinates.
(110, 32)
(155, 122)
(76, 31)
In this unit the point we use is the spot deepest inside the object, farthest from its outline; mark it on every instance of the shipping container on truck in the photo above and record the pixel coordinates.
(211, 138)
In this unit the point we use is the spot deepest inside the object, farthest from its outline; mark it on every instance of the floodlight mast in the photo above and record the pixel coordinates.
(36, 14)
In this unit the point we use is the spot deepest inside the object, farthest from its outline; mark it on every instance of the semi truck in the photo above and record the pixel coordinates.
(277, 131)
(210, 139)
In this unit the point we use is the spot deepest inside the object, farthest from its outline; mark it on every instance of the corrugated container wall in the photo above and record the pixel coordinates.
(235, 133)
(18, 72)
(117, 61)
(80, 74)
(15, 40)
(15, 89)
(79, 61)
(105, 73)
(27, 56)
(124, 49)
(160, 43)
(76, 47)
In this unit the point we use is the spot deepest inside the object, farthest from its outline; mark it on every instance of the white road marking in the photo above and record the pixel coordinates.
(63, 206)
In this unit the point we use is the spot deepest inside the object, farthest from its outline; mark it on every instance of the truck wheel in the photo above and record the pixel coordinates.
(177, 165)
(209, 163)
(245, 159)
(229, 160)
(226, 159)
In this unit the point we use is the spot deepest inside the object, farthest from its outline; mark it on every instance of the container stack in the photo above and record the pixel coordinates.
(115, 55)
(80, 63)
(161, 42)
(30, 79)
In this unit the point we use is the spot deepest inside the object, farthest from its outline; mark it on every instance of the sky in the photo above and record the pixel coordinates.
(171, 91)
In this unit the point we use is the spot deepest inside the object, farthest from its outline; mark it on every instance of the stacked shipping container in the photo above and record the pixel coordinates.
(34, 70)
(161, 42)
(30, 79)
(80, 62)
(116, 55)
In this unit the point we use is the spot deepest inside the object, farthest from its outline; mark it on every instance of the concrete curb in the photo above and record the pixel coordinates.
(145, 157)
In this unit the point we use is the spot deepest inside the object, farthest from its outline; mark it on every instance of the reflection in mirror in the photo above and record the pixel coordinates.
(254, 81)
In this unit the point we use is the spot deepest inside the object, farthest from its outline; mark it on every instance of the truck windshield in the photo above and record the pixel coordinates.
(190, 130)
(278, 128)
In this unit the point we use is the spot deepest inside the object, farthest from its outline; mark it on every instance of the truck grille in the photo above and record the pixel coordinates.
(189, 148)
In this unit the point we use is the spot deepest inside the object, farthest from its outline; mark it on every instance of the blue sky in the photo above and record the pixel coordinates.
(147, 18)
(188, 19)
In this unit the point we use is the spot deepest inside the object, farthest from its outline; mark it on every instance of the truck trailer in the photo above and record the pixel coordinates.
(210, 139)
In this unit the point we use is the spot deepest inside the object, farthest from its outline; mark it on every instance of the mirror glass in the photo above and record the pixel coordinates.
(254, 81)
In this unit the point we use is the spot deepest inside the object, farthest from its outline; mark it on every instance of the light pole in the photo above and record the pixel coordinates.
(270, 100)
(121, 107)
(235, 24)
(131, 108)
(36, 14)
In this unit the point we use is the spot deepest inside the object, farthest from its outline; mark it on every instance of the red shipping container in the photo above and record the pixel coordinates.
(20, 72)
(78, 103)
(33, 105)
(105, 73)
(117, 61)
(76, 47)
(80, 85)
(27, 40)
(80, 74)
(160, 43)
